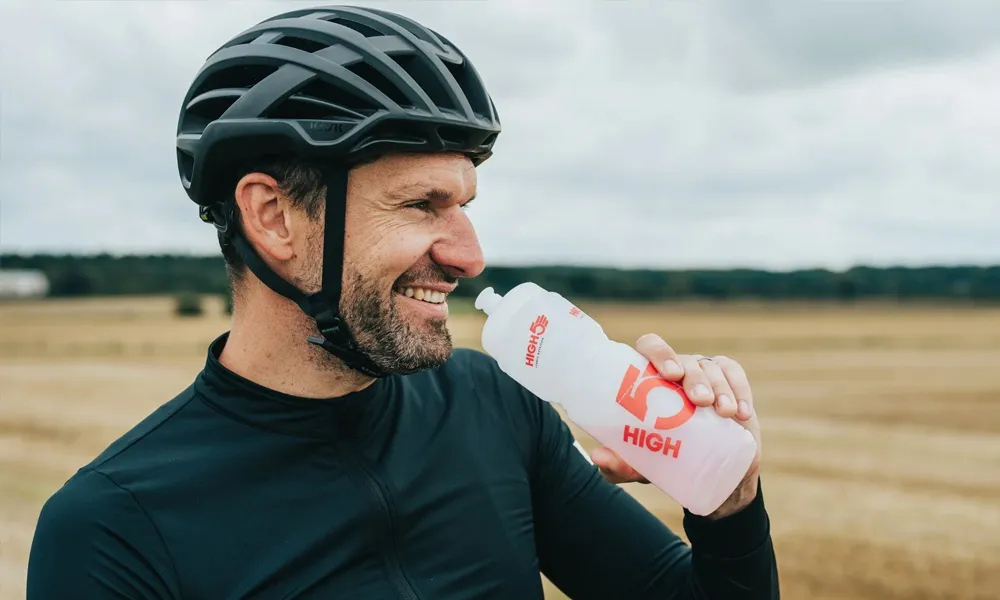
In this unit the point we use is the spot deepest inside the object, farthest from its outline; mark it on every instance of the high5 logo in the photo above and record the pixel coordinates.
(633, 396)
(536, 330)
(633, 393)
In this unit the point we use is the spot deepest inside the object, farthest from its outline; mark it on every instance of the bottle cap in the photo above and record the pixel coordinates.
(488, 300)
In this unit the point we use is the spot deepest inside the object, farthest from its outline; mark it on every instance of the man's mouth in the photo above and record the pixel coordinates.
(423, 294)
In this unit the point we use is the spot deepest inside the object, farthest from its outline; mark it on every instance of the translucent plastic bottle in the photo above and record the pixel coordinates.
(615, 394)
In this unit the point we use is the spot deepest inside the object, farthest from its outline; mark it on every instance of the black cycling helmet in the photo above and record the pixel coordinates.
(337, 85)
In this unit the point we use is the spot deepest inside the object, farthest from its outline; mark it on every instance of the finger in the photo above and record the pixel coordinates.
(740, 383)
(614, 468)
(725, 398)
(696, 383)
(654, 348)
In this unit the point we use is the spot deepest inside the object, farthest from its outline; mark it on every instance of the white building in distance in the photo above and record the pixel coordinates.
(23, 283)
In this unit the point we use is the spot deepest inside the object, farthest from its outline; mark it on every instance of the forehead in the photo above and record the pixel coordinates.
(403, 176)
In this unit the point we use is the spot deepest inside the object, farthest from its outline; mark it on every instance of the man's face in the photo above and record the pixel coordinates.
(408, 241)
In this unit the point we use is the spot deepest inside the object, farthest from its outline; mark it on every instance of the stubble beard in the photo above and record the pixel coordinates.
(393, 343)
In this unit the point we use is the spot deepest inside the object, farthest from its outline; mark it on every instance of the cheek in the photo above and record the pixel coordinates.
(391, 249)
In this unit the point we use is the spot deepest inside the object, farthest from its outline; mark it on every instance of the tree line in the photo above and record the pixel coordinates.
(102, 274)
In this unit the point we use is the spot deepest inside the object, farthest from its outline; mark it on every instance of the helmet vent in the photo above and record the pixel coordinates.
(472, 89)
(421, 72)
(207, 108)
(244, 77)
(377, 79)
(299, 43)
(321, 100)
(361, 28)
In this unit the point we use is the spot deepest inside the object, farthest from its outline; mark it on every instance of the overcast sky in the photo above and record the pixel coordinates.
(664, 133)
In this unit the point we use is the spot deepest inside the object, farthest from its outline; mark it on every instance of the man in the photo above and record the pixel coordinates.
(335, 446)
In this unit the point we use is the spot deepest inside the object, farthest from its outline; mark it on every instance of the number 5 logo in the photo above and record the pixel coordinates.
(633, 398)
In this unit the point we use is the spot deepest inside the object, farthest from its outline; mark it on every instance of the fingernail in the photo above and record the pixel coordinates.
(745, 408)
(672, 368)
(725, 401)
(700, 391)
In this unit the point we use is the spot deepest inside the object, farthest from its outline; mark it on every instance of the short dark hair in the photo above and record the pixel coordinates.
(300, 180)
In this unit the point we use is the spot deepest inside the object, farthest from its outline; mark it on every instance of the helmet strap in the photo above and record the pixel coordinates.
(323, 306)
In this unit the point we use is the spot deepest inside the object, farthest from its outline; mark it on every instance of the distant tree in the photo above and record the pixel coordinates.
(188, 305)
(846, 288)
(71, 282)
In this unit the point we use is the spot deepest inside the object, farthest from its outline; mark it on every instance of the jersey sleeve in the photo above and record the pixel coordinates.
(595, 540)
(94, 541)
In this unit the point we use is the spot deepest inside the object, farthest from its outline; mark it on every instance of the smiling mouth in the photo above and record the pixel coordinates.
(423, 294)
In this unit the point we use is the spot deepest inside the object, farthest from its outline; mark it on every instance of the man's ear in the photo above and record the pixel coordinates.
(266, 220)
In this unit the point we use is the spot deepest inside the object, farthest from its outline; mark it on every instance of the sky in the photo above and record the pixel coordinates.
(660, 133)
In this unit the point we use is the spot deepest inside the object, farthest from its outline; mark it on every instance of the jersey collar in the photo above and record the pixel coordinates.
(344, 417)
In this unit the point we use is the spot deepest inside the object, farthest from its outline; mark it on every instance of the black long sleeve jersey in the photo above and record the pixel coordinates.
(450, 483)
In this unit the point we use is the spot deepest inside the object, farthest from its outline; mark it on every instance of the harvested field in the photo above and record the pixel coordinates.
(881, 426)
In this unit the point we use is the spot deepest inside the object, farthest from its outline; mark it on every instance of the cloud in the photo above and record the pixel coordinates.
(784, 43)
(635, 133)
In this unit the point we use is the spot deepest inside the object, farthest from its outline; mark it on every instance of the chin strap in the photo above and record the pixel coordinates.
(323, 306)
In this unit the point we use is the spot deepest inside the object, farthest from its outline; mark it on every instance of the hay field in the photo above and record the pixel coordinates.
(881, 426)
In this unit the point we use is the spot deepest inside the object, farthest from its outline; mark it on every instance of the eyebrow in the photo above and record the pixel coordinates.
(425, 194)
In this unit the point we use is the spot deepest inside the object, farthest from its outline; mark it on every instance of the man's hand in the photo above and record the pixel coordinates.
(718, 381)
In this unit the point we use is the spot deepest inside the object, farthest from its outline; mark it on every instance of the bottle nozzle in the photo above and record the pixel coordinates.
(488, 300)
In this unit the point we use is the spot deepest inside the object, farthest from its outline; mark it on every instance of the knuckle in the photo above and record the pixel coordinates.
(690, 360)
(719, 381)
(714, 371)
(698, 375)
(721, 386)
(716, 378)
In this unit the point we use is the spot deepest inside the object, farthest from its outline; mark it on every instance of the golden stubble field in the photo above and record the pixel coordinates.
(881, 426)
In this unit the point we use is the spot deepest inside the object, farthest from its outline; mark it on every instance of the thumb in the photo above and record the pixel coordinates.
(614, 468)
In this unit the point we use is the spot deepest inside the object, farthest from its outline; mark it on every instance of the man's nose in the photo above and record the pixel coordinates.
(458, 252)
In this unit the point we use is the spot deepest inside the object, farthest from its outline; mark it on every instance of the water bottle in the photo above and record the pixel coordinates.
(616, 395)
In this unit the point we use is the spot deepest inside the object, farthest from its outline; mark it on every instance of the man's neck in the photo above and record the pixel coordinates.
(267, 345)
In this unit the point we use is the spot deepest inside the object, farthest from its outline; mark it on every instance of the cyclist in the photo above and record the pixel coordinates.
(335, 445)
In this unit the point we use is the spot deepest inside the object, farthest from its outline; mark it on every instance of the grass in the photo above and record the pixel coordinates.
(881, 425)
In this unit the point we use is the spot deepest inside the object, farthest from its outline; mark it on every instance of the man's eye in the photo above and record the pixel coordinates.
(424, 206)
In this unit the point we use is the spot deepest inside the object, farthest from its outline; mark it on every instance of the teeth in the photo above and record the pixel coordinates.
(432, 296)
